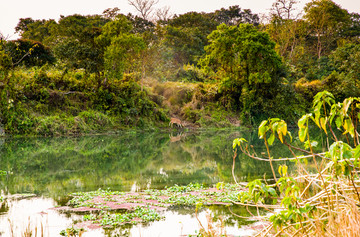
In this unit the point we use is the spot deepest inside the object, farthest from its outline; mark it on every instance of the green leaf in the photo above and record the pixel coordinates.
(289, 134)
(302, 121)
(346, 104)
(238, 142)
(338, 122)
(279, 170)
(356, 151)
(272, 192)
(263, 128)
(271, 139)
(282, 130)
(284, 170)
(348, 126)
(302, 134)
(323, 122)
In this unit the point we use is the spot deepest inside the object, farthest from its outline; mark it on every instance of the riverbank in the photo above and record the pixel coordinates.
(48, 102)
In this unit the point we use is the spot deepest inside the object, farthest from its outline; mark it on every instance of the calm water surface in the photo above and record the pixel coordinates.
(48, 169)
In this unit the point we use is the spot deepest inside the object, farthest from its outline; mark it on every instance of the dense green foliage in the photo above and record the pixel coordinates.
(233, 68)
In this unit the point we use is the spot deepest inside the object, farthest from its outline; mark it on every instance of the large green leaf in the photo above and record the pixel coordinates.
(302, 134)
(263, 128)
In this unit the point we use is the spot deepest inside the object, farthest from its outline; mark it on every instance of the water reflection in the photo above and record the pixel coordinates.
(57, 166)
(53, 167)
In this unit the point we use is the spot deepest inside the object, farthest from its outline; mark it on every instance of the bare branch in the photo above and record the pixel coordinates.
(163, 14)
(144, 7)
(111, 13)
(284, 8)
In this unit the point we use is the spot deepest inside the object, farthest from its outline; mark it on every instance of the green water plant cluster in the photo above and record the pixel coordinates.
(322, 197)
(146, 206)
(188, 195)
(139, 214)
(80, 199)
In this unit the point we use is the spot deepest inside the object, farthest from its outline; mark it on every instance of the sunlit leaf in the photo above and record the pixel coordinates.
(281, 138)
(302, 121)
(338, 122)
(272, 192)
(263, 128)
(357, 151)
(289, 134)
(271, 139)
(323, 122)
(346, 104)
(302, 134)
(238, 142)
(279, 170)
(348, 126)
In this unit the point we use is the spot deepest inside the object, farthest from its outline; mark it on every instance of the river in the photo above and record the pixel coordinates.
(41, 172)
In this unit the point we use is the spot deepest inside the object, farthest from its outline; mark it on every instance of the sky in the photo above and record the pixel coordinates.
(12, 10)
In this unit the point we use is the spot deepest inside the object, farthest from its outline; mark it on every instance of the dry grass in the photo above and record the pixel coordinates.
(31, 229)
(212, 229)
(337, 216)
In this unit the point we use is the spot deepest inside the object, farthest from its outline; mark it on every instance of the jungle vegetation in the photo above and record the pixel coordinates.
(95, 73)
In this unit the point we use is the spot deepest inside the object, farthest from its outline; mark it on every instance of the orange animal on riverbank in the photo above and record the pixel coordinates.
(175, 121)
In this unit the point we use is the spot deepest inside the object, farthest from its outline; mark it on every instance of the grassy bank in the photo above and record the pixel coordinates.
(49, 102)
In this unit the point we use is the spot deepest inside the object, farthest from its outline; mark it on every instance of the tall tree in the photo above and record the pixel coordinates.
(124, 55)
(234, 16)
(75, 44)
(283, 9)
(122, 48)
(327, 20)
(187, 35)
(37, 30)
(248, 64)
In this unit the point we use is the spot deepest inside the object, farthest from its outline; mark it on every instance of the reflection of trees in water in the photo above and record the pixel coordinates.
(217, 212)
(61, 165)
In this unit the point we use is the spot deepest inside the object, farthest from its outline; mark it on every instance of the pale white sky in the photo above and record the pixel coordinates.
(12, 10)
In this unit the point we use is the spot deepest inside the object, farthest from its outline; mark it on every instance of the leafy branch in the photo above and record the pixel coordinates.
(306, 203)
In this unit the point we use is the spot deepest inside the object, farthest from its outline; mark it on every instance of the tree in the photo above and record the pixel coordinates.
(244, 53)
(123, 55)
(353, 30)
(29, 53)
(144, 7)
(248, 65)
(163, 14)
(290, 36)
(283, 9)
(122, 49)
(120, 25)
(141, 25)
(37, 30)
(111, 13)
(74, 42)
(327, 20)
(187, 35)
(5, 62)
(344, 80)
(234, 16)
